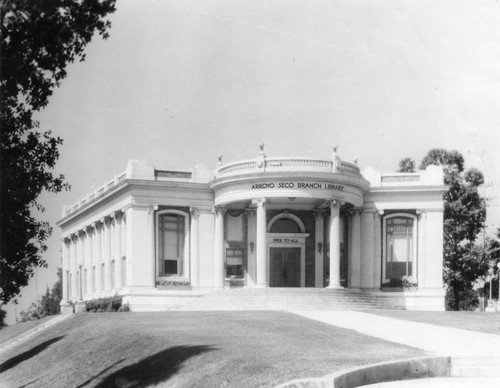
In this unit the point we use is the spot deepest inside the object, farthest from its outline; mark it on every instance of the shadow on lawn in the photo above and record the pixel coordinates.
(12, 362)
(153, 369)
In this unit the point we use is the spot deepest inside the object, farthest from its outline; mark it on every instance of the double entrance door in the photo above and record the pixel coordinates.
(285, 267)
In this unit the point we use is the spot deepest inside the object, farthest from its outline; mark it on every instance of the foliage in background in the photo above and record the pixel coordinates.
(101, 305)
(39, 39)
(51, 301)
(464, 217)
(32, 313)
(49, 304)
(406, 165)
(3, 314)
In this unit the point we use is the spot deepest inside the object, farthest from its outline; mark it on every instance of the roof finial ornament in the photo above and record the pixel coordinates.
(356, 161)
(261, 148)
(219, 160)
(335, 147)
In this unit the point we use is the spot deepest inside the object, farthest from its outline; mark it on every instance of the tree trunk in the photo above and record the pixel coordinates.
(456, 297)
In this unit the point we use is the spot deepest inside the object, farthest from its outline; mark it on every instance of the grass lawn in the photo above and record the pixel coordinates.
(10, 332)
(469, 320)
(189, 349)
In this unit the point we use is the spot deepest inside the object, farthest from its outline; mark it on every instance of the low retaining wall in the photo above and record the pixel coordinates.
(413, 368)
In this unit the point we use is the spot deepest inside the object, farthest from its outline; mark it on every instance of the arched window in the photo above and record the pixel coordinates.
(172, 242)
(285, 223)
(399, 246)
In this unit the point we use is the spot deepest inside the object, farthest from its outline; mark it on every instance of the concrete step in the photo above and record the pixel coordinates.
(475, 367)
(287, 299)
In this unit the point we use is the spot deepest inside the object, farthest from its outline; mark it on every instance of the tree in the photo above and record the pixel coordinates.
(407, 165)
(51, 301)
(464, 217)
(39, 39)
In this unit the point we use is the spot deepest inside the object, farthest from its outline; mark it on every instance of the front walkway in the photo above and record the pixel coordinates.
(437, 340)
(475, 356)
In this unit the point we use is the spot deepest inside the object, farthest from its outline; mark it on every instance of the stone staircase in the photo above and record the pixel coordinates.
(286, 299)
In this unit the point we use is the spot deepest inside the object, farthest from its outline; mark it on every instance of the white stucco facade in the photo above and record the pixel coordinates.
(156, 236)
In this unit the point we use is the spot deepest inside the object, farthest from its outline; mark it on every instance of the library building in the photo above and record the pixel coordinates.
(166, 239)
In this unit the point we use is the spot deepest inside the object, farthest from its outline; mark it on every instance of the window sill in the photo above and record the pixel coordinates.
(399, 289)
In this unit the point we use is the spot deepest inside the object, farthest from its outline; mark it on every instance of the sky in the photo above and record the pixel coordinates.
(180, 82)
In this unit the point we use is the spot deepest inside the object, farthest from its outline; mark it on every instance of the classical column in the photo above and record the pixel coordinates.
(80, 282)
(117, 250)
(319, 248)
(107, 254)
(195, 252)
(219, 275)
(334, 236)
(73, 266)
(65, 269)
(355, 249)
(88, 259)
(98, 262)
(261, 242)
(377, 252)
(123, 249)
(251, 238)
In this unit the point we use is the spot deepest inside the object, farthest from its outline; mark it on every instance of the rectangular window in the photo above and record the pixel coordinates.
(171, 243)
(399, 248)
(234, 263)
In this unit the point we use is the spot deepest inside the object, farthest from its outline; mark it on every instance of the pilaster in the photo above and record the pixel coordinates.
(195, 250)
(355, 249)
(320, 247)
(219, 275)
(367, 249)
(377, 246)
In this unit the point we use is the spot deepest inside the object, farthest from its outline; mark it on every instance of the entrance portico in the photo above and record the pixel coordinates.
(295, 190)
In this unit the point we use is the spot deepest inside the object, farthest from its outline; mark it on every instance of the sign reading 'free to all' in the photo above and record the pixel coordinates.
(297, 185)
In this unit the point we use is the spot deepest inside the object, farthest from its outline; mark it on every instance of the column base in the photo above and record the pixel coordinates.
(261, 286)
(335, 287)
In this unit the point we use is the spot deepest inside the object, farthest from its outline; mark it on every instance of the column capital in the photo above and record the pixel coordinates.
(355, 211)
(259, 201)
(249, 212)
(195, 212)
(333, 202)
(319, 214)
(421, 213)
(219, 210)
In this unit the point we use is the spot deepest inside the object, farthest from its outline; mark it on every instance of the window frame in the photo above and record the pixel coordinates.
(413, 217)
(186, 256)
